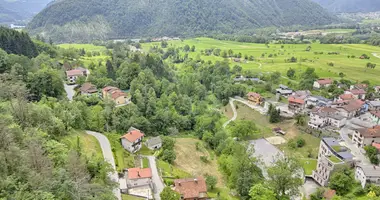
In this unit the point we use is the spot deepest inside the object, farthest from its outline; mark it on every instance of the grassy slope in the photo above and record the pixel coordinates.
(354, 68)
(89, 144)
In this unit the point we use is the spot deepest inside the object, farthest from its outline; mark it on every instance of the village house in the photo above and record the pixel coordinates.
(284, 90)
(346, 97)
(321, 83)
(137, 182)
(132, 140)
(357, 93)
(72, 75)
(318, 101)
(377, 89)
(366, 136)
(115, 94)
(88, 89)
(367, 174)
(374, 105)
(241, 78)
(352, 108)
(375, 116)
(295, 104)
(360, 86)
(331, 154)
(326, 116)
(154, 143)
(191, 188)
(255, 98)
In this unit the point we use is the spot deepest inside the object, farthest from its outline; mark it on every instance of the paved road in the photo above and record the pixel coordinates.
(355, 151)
(70, 91)
(159, 186)
(108, 156)
(234, 111)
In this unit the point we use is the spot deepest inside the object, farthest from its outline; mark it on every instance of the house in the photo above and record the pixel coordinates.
(132, 140)
(331, 155)
(318, 101)
(191, 188)
(366, 136)
(88, 89)
(346, 97)
(254, 97)
(284, 90)
(296, 104)
(360, 86)
(374, 105)
(367, 174)
(137, 177)
(326, 116)
(352, 108)
(154, 143)
(357, 93)
(375, 116)
(321, 83)
(115, 94)
(72, 75)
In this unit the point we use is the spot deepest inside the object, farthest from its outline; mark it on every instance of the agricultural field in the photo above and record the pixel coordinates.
(273, 57)
(86, 47)
(89, 48)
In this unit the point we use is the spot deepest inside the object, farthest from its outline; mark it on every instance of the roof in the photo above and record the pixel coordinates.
(346, 96)
(375, 103)
(74, 72)
(254, 95)
(376, 113)
(345, 155)
(361, 86)
(330, 141)
(328, 110)
(370, 132)
(283, 86)
(190, 188)
(154, 141)
(88, 87)
(329, 194)
(133, 135)
(358, 91)
(118, 93)
(370, 170)
(376, 145)
(295, 100)
(353, 105)
(284, 91)
(109, 88)
(137, 173)
(325, 81)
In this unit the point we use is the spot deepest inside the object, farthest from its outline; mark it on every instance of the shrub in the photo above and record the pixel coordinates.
(204, 159)
(300, 142)
(168, 182)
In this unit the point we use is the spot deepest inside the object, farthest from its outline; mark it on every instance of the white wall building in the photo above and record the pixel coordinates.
(366, 136)
(132, 141)
(367, 174)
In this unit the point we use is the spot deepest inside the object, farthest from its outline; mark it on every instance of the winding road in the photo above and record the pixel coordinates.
(108, 156)
(159, 186)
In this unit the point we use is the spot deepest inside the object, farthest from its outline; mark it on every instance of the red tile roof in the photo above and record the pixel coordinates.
(358, 91)
(292, 99)
(133, 135)
(254, 95)
(325, 81)
(88, 88)
(109, 88)
(370, 132)
(191, 188)
(118, 93)
(353, 105)
(346, 96)
(376, 113)
(137, 173)
(74, 72)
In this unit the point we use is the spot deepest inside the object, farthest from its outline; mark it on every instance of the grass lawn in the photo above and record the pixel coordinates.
(145, 151)
(88, 143)
(86, 47)
(169, 170)
(309, 165)
(334, 159)
(129, 197)
(312, 145)
(223, 193)
(145, 162)
(353, 68)
(123, 159)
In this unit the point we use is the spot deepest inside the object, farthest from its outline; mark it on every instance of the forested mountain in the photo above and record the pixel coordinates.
(127, 18)
(18, 10)
(15, 42)
(339, 6)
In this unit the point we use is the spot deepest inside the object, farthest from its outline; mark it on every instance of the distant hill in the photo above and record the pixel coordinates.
(88, 19)
(339, 6)
(12, 11)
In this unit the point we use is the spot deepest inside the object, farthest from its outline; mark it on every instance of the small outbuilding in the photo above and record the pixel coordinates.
(154, 143)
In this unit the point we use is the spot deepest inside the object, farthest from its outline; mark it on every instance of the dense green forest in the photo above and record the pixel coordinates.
(341, 6)
(72, 20)
(15, 42)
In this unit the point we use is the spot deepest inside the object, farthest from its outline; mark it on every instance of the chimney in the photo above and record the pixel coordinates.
(138, 173)
(196, 180)
(179, 183)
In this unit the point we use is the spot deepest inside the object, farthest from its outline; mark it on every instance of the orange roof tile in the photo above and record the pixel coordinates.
(191, 188)
(136, 173)
(133, 135)
(254, 94)
(346, 96)
(74, 72)
(358, 91)
(292, 99)
(325, 81)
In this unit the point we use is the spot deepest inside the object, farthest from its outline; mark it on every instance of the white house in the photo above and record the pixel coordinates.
(137, 177)
(366, 136)
(132, 140)
(321, 83)
(326, 116)
(357, 93)
(72, 75)
(317, 101)
(352, 108)
(367, 174)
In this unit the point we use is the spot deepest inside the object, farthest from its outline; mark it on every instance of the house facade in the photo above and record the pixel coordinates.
(254, 97)
(137, 177)
(115, 94)
(375, 117)
(366, 136)
(321, 83)
(326, 116)
(367, 174)
(132, 141)
(72, 75)
(296, 104)
(191, 188)
(352, 108)
(374, 105)
(330, 155)
(88, 89)
(357, 93)
(317, 101)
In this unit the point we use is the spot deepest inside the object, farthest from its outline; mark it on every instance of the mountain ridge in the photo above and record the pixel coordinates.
(347, 6)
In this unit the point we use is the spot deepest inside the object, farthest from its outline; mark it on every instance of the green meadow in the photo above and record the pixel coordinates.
(87, 47)
(275, 56)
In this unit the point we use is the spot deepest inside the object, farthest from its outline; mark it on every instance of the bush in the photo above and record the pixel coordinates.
(300, 142)
(204, 159)
(168, 182)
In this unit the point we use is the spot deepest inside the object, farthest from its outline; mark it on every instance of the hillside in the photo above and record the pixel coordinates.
(127, 18)
(339, 6)
(12, 11)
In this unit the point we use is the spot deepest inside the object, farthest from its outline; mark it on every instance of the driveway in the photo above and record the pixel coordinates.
(108, 156)
(234, 111)
(159, 186)
(70, 91)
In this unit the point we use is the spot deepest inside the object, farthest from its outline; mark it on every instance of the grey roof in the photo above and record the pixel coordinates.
(375, 103)
(283, 86)
(154, 141)
(345, 155)
(284, 91)
(370, 170)
(331, 141)
(337, 116)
